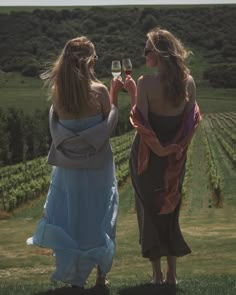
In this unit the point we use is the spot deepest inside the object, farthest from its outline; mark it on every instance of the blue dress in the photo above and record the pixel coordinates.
(80, 216)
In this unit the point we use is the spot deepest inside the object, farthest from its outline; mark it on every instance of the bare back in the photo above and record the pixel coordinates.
(150, 98)
(100, 104)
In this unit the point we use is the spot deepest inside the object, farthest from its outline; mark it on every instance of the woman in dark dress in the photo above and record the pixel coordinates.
(165, 115)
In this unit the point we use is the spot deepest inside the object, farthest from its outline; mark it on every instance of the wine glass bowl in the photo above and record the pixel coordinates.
(127, 66)
(116, 68)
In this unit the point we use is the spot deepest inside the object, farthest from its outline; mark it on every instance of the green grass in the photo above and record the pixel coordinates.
(213, 100)
(22, 92)
(8, 9)
(210, 231)
(29, 94)
(210, 269)
(198, 285)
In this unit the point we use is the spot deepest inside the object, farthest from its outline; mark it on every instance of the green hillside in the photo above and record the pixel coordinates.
(28, 93)
(116, 33)
(34, 37)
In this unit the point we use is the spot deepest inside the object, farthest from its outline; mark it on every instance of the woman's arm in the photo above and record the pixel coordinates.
(116, 85)
(131, 87)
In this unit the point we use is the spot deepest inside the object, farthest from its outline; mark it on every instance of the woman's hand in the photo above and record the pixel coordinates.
(116, 85)
(131, 87)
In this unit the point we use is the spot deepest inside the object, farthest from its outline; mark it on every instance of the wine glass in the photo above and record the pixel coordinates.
(115, 68)
(127, 66)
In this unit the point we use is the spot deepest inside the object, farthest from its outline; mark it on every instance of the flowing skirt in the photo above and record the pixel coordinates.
(79, 222)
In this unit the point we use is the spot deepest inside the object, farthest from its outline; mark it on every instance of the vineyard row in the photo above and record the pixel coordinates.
(26, 181)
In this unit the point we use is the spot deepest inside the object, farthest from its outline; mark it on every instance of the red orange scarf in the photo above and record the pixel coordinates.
(176, 152)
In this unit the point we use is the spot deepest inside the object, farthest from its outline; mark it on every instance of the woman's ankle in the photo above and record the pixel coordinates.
(171, 277)
(102, 280)
(157, 277)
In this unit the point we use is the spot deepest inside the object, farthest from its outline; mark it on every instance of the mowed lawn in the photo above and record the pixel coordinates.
(30, 94)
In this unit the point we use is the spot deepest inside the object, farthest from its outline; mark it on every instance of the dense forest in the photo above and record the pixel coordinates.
(30, 42)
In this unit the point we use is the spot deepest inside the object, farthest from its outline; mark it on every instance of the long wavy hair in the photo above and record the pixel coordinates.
(171, 57)
(71, 76)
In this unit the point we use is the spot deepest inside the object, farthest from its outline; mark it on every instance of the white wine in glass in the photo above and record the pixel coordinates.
(127, 66)
(115, 68)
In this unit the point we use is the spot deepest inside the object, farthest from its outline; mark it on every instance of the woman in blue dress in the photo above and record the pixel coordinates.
(80, 211)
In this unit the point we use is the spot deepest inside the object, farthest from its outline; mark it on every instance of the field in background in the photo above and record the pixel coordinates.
(207, 221)
(29, 93)
(208, 214)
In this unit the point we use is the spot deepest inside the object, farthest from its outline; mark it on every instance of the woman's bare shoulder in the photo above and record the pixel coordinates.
(147, 77)
(99, 87)
(191, 88)
(146, 80)
(190, 81)
(103, 97)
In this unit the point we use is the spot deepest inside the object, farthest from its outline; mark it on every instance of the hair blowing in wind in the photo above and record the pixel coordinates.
(171, 60)
(71, 76)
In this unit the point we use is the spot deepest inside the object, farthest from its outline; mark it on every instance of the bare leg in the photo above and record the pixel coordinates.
(156, 270)
(101, 279)
(171, 270)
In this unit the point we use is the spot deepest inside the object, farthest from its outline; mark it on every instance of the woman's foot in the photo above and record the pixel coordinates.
(102, 281)
(171, 271)
(157, 279)
(171, 279)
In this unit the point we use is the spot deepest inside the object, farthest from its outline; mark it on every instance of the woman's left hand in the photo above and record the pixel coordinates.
(116, 85)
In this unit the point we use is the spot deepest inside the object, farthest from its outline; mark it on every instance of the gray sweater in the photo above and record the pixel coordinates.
(84, 149)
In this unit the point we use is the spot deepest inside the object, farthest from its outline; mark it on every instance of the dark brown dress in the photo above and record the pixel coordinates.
(160, 235)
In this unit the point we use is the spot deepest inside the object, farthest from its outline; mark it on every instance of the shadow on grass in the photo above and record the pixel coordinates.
(97, 290)
(149, 289)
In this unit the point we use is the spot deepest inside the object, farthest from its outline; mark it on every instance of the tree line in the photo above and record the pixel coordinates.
(24, 137)
(30, 41)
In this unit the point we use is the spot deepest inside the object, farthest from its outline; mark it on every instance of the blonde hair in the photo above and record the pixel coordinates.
(71, 76)
(171, 56)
